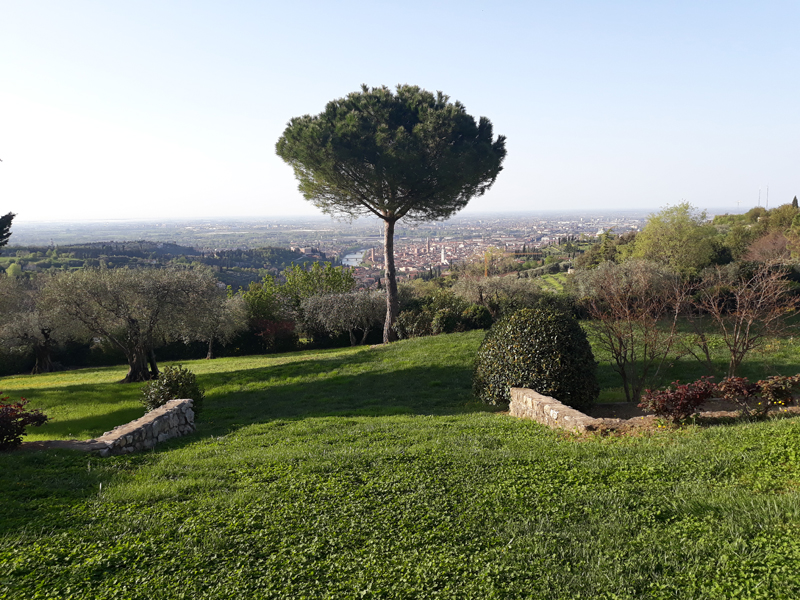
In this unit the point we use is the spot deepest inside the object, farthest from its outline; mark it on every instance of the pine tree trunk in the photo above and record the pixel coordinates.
(392, 304)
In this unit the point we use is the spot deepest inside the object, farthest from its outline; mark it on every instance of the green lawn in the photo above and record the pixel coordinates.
(362, 473)
(553, 282)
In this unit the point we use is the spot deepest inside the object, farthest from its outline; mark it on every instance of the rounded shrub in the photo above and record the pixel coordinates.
(446, 320)
(172, 383)
(542, 348)
(476, 316)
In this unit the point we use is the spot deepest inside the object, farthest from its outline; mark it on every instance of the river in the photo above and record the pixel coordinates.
(354, 259)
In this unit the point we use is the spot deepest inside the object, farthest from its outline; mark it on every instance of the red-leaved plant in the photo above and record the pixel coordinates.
(755, 399)
(13, 421)
(738, 390)
(680, 400)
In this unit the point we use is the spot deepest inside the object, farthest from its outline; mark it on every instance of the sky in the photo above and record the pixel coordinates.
(171, 109)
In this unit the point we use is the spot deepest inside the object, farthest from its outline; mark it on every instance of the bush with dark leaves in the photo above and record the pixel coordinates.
(680, 400)
(542, 348)
(14, 419)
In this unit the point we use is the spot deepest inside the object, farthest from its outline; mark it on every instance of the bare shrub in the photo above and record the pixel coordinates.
(633, 309)
(747, 305)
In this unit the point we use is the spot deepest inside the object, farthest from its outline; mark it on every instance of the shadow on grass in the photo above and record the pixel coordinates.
(368, 383)
(40, 488)
(84, 427)
(415, 390)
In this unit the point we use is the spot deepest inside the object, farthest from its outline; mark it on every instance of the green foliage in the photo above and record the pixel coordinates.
(263, 299)
(441, 312)
(500, 295)
(5, 228)
(781, 217)
(609, 247)
(301, 283)
(409, 153)
(14, 270)
(414, 323)
(544, 349)
(14, 419)
(777, 390)
(172, 383)
(678, 237)
(476, 316)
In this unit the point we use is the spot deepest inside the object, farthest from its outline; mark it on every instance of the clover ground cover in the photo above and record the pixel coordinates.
(372, 474)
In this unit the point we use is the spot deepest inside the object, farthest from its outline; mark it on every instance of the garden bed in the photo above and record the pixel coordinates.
(618, 417)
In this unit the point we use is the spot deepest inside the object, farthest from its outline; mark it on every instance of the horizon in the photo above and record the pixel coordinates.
(368, 218)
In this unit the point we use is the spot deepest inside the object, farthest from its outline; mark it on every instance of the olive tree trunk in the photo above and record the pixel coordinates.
(138, 365)
(44, 360)
(392, 304)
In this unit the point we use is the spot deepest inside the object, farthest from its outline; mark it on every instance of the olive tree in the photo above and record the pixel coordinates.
(132, 309)
(216, 317)
(26, 323)
(351, 312)
(410, 154)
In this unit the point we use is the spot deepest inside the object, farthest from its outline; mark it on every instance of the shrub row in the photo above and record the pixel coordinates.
(679, 401)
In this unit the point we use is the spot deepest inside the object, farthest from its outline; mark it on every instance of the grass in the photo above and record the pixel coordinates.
(362, 473)
(553, 282)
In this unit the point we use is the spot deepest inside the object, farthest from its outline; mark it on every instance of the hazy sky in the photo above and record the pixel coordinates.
(112, 109)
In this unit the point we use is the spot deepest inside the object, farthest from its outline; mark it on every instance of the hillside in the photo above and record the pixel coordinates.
(235, 267)
(371, 473)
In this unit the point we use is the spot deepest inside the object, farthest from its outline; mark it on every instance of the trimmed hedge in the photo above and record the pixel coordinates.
(542, 348)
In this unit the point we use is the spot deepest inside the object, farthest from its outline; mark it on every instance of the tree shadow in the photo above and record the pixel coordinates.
(42, 486)
(83, 428)
(417, 390)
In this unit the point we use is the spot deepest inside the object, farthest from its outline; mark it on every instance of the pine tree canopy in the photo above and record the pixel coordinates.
(406, 154)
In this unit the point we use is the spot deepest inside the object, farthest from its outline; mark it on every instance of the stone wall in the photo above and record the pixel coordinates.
(173, 419)
(528, 404)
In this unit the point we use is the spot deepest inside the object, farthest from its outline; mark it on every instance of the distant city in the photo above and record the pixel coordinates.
(418, 247)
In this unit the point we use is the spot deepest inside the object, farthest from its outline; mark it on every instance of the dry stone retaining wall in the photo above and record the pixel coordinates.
(173, 419)
(528, 404)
